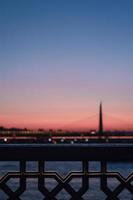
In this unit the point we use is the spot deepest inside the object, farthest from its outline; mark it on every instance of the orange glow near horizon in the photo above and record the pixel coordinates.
(78, 121)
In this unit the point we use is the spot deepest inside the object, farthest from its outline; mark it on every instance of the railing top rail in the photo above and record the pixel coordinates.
(66, 152)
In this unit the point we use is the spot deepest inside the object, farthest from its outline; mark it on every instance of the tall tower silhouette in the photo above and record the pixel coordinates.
(100, 120)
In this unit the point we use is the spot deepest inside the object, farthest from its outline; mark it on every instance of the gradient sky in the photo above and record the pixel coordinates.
(59, 58)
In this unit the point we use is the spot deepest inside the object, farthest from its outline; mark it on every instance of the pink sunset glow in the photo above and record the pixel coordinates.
(58, 62)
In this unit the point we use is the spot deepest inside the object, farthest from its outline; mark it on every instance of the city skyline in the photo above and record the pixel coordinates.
(58, 59)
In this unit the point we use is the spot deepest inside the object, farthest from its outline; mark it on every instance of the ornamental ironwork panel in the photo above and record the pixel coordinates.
(64, 183)
(85, 154)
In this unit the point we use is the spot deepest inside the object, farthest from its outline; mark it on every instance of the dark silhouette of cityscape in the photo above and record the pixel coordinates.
(59, 135)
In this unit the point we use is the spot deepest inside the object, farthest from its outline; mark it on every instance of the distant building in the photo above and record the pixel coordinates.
(100, 121)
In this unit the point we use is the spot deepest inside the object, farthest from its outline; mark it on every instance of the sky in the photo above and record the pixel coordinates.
(60, 58)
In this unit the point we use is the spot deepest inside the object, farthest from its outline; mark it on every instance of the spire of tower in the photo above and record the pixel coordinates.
(100, 120)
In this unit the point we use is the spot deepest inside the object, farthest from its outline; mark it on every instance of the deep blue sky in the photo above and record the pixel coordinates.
(59, 58)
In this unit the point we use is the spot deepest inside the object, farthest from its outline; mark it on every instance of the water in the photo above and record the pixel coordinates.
(63, 169)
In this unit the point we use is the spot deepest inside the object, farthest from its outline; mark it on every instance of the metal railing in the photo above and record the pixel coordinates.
(103, 153)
